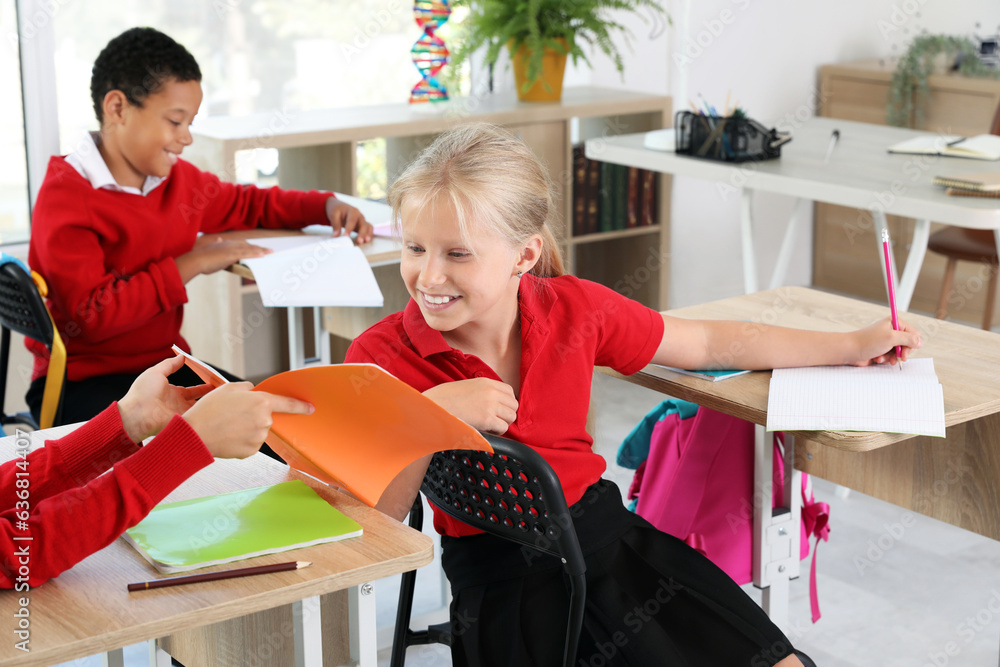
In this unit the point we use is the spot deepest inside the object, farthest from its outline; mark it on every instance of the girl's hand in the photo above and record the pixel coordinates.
(152, 401)
(484, 404)
(233, 421)
(345, 219)
(876, 344)
(212, 254)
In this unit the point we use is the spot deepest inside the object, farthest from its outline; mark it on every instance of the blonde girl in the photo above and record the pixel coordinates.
(496, 334)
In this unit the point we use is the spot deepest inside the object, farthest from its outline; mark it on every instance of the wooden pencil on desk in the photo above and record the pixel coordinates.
(216, 576)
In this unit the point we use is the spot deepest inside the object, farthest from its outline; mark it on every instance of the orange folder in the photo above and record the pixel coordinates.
(366, 428)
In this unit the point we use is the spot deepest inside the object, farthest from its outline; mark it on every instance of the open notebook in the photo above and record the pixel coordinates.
(849, 398)
(195, 533)
(367, 427)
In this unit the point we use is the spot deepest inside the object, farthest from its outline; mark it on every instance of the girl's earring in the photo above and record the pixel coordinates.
(519, 274)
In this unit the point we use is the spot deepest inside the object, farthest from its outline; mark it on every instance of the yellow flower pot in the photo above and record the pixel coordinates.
(548, 86)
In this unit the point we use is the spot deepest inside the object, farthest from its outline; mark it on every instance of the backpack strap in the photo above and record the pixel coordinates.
(635, 447)
(816, 518)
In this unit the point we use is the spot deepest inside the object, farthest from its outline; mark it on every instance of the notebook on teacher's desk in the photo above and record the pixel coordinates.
(213, 530)
(980, 147)
(987, 181)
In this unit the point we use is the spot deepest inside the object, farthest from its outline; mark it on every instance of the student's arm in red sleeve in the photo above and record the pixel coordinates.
(629, 332)
(69, 526)
(228, 206)
(91, 301)
(67, 462)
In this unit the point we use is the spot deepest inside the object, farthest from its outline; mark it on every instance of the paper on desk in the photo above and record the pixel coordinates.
(313, 271)
(848, 398)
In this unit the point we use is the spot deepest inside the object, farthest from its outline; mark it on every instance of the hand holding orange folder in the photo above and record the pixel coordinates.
(366, 428)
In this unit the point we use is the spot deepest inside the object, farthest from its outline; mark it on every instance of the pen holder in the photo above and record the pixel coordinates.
(726, 138)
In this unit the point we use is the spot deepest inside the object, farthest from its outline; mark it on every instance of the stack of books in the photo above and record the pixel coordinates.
(982, 184)
(609, 197)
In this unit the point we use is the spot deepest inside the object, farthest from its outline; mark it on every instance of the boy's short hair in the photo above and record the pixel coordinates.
(138, 62)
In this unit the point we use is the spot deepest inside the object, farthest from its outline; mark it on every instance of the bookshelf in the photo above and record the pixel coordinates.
(226, 323)
(850, 263)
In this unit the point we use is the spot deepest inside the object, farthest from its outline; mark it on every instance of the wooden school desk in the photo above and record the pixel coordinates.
(273, 619)
(953, 479)
(860, 174)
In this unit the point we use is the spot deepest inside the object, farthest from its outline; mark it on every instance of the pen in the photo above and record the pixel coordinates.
(892, 291)
(215, 576)
(834, 136)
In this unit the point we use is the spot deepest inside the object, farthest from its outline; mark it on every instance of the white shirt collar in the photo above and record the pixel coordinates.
(87, 160)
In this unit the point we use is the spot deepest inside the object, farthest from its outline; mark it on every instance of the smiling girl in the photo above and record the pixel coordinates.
(499, 337)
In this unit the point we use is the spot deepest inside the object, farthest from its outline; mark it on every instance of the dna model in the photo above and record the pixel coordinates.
(429, 52)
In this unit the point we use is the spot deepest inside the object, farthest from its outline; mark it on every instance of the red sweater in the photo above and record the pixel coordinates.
(114, 289)
(56, 497)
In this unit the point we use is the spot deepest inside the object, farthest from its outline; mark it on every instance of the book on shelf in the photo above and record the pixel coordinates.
(609, 197)
(980, 147)
(634, 200)
(367, 425)
(579, 191)
(647, 212)
(190, 534)
(987, 181)
(710, 375)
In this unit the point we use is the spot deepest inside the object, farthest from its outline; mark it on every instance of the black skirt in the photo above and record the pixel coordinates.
(651, 600)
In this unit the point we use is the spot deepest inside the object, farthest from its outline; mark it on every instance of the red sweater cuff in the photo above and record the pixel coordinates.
(169, 459)
(95, 447)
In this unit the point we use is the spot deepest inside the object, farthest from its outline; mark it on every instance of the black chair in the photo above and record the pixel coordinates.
(512, 493)
(22, 309)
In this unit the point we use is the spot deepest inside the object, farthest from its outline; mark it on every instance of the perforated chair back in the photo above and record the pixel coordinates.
(22, 309)
(512, 493)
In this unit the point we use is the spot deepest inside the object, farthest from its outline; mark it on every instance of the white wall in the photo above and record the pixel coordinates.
(767, 55)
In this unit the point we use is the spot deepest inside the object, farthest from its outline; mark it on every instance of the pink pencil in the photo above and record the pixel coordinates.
(892, 292)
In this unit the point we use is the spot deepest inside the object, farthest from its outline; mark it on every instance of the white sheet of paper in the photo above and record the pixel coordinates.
(848, 398)
(316, 271)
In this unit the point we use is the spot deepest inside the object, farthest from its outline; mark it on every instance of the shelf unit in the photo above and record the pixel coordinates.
(849, 262)
(227, 325)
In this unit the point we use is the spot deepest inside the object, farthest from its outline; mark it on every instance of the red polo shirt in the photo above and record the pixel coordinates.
(568, 326)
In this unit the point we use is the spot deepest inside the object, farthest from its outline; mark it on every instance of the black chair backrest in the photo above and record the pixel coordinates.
(21, 306)
(512, 493)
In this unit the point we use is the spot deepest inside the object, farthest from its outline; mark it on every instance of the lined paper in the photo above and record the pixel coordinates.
(847, 398)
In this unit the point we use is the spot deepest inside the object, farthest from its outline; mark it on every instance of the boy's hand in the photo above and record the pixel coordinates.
(877, 343)
(345, 219)
(152, 400)
(484, 404)
(233, 421)
(211, 254)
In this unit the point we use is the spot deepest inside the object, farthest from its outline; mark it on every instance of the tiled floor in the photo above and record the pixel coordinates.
(896, 589)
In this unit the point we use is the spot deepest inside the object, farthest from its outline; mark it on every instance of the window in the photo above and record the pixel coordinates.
(13, 167)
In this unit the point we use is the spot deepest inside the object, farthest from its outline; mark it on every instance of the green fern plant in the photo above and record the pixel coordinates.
(560, 25)
(908, 89)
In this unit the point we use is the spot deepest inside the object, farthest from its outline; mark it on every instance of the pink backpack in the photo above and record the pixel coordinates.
(697, 484)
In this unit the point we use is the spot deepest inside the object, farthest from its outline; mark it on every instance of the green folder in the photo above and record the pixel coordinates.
(189, 534)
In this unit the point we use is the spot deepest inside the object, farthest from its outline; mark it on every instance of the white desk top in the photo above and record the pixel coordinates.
(860, 173)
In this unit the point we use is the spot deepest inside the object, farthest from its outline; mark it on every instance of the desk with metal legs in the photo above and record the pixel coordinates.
(860, 174)
(954, 479)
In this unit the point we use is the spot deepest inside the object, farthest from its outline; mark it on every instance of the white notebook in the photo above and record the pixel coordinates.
(313, 270)
(848, 398)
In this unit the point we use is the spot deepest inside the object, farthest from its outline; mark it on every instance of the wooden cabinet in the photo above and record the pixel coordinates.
(848, 261)
(226, 324)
